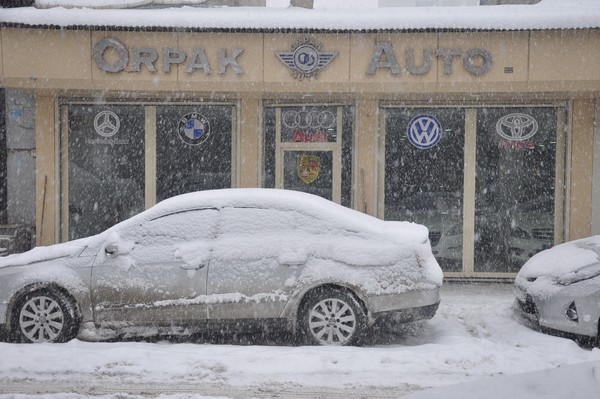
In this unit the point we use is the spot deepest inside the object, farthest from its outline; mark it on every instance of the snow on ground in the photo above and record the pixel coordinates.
(475, 335)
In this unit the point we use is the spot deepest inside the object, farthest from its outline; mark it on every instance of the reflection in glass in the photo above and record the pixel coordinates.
(424, 175)
(193, 149)
(309, 171)
(106, 166)
(516, 158)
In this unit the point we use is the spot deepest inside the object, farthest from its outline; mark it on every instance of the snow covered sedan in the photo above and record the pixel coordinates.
(559, 288)
(225, 257)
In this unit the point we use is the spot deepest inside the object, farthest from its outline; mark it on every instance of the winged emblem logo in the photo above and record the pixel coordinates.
(305, 60)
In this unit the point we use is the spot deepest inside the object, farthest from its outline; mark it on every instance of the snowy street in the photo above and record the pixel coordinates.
(475, 335)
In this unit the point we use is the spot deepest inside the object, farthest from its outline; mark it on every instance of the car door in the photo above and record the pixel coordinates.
(255, 260)
(155, 272)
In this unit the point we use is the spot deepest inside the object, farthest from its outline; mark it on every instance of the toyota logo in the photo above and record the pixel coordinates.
(107, 123)
(517, 127)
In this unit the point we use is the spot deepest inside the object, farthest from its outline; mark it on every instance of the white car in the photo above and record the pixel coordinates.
(226, 257)
(559, 288)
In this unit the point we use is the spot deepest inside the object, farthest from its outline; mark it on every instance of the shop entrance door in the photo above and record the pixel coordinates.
(309, 150)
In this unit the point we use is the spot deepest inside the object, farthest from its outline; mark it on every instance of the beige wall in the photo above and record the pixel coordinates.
(582, 159)
(540, 61)
(527, 66)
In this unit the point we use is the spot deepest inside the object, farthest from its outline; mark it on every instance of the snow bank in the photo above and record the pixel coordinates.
(581, 381)
(549, 14)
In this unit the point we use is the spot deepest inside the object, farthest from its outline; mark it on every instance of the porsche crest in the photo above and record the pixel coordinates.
(309, 167)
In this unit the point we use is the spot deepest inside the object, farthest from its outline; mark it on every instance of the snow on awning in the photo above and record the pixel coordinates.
(548, 14)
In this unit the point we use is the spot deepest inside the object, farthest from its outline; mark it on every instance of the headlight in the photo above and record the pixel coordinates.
(518, 232)
(584, 273)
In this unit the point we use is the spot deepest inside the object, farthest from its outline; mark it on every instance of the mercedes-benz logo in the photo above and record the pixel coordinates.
(517, 127)
(107, 123)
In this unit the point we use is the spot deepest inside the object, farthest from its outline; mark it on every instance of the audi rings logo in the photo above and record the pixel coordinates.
(308, 119)
(424, 131)
(107, 123)
(193, 129)
(517, 127)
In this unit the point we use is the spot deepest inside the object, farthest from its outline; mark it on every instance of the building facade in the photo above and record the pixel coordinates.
(488, 137)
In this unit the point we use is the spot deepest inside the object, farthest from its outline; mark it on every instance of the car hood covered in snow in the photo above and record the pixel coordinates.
(41, 254)
(563, 259)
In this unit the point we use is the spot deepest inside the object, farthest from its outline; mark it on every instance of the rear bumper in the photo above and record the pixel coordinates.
(402, 302)
(387, 319)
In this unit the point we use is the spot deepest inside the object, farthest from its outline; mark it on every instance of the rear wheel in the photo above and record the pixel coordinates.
(44, 315)
(332, 317)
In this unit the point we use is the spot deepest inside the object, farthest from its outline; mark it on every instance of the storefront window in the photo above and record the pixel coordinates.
(105, 166)
(424, 175)
(515, 186)
(193, 149)
(309, 149)
(108, 147)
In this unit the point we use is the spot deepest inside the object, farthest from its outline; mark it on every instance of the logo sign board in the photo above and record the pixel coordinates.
(306, 59)
(424, 131)
(194, 129)
(516, 129)
(310, 125)
(309, 167)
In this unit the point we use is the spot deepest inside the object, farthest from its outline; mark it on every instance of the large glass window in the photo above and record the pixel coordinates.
(193, 149)
(424, 175)
(515, 185)
(483, 180)
(105, 166)
(119, 158)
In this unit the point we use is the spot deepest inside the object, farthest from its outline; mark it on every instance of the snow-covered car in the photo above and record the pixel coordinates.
(206, 259)
(559, 288)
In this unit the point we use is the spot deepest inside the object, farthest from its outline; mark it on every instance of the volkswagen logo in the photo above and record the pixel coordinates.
(517, 127)
(424, 131)
(107, 123)
(308, 119)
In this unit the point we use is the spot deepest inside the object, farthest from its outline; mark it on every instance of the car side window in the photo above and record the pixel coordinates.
(262, 221)
(189, 225)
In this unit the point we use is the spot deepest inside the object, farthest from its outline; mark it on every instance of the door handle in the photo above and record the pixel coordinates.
(186, 266)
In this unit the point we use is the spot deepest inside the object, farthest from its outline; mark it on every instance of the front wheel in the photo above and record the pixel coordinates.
(44, 315)
(332, 317)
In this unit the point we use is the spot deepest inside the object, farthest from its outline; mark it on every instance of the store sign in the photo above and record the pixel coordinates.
(305, 60)
(424, 131)
(193, 129)
(516, 129)
(476, 61)
(136, 57)
(107, 125)
(309, 167)
(310, 126)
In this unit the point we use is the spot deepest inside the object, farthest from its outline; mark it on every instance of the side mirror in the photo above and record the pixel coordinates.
(111, 249)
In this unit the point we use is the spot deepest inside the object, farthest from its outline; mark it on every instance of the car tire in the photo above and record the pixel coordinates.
(332, 318)
(44, 315)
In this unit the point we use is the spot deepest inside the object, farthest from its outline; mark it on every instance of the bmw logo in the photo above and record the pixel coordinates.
(424, 131)
(194, 129)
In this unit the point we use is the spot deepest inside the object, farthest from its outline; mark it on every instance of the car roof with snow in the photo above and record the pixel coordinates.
(564, 258)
